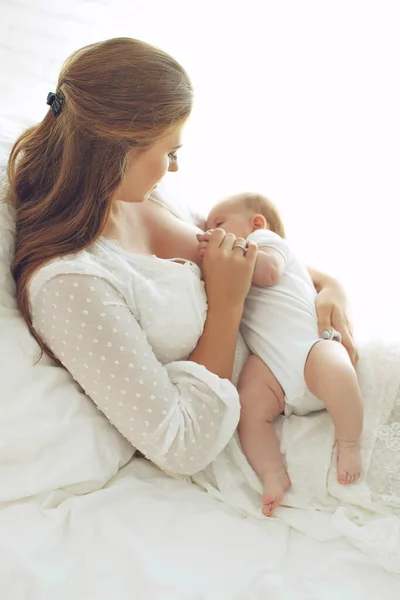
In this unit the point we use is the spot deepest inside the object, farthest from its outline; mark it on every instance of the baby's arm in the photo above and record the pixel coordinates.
(270, 264)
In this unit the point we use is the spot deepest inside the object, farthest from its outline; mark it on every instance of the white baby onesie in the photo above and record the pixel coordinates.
(280, 325)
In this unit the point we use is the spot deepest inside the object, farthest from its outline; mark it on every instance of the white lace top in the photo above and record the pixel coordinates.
(124, 325)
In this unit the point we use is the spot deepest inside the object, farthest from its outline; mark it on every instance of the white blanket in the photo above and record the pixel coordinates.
(148, 537)
(366, 513)
(74, 521)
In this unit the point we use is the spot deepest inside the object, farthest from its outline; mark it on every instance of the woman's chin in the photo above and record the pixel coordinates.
(151, 191)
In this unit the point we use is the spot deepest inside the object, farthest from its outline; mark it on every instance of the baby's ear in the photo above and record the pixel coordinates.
(259, 222)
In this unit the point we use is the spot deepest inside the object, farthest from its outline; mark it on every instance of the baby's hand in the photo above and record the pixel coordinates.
(203, 239)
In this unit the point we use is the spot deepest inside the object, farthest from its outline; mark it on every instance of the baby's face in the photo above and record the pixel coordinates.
(231, 219)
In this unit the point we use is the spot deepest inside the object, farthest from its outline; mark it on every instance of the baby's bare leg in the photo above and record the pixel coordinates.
(262, 400)
(330, 376)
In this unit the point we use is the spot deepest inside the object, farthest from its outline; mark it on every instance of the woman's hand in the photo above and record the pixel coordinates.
(227, 273)
(332, 312)
(227, 268)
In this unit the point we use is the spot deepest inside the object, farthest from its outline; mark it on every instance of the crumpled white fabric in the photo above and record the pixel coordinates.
(364, 513)
(367, 513)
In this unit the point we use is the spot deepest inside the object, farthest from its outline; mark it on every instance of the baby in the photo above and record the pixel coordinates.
(280, 327)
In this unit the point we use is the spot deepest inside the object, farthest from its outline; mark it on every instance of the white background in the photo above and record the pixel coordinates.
(296, 99)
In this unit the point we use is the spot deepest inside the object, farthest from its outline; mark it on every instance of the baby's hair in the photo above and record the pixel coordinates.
(259, 204)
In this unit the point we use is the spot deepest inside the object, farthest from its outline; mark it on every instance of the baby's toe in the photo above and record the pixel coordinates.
(267, 506)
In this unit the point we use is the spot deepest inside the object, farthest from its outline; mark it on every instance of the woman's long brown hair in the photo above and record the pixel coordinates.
(119, 94)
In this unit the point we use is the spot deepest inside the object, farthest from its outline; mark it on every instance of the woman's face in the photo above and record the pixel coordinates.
(145, 169)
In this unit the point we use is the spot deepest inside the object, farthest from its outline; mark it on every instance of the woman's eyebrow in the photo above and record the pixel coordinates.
(177, 147)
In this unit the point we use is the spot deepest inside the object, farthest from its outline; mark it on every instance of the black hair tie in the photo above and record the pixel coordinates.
(56, 102)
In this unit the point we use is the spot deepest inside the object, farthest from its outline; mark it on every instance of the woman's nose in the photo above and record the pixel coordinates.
(173, 166)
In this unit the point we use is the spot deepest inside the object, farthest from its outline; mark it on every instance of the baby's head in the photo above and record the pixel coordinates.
(244, 213)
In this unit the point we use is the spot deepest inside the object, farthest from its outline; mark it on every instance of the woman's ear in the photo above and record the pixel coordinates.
(259, 222)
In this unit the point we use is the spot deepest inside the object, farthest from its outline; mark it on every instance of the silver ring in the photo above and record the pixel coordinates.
(239, 246)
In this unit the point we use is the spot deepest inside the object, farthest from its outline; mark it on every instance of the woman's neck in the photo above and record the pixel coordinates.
(126, 225)
(149, 228)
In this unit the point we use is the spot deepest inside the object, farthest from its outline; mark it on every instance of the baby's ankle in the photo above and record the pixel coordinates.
(348, 443)
(277, 469)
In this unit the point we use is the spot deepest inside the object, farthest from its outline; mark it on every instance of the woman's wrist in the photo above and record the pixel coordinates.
(227, 312)
(322, 280)
(224, 321)
(217, 346)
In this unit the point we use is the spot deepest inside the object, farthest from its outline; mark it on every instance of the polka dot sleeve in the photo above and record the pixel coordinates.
(178, 415)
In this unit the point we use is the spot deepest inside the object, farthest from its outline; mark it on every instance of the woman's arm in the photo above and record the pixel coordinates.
(217, 345)
(320, 279)
(179, 415)
(333, 310)
(227, 275)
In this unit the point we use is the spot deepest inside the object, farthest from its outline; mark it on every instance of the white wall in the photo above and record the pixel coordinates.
(297, 99)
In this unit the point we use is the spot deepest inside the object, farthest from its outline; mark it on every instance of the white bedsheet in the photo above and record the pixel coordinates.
(149, 537)
(76, 523)
(134, 533)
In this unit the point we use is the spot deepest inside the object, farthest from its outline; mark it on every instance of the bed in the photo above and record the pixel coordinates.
(82, 518)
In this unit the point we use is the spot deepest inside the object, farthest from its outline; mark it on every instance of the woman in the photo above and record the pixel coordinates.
(107, 280)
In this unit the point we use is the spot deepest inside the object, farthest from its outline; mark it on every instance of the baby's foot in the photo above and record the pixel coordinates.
(276, 482)
(348, 462)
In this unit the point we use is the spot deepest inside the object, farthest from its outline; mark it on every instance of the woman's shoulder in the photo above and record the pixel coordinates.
(183, 211)
(93, 261)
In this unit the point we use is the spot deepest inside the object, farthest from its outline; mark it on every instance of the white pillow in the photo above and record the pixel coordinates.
(51, 434)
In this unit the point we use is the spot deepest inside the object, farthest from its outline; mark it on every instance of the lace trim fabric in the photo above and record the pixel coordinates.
(384, 470)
